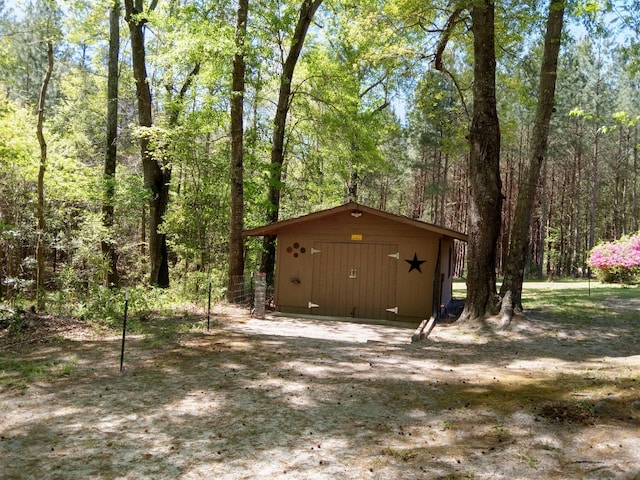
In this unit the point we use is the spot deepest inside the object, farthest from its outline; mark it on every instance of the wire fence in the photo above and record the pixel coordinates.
(248, 291)
(241, 290)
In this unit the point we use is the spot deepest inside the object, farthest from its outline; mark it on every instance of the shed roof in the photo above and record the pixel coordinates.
(274, 228)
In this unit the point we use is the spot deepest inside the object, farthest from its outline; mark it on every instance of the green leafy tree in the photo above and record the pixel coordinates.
(236, 247)
(511, 289)
(18, 162)
(157, 174)
(110, 162)
(485, 200)
(42, 225)
(306, 13)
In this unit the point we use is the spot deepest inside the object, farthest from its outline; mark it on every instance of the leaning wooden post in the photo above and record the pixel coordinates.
(423, 330)
(124, 328)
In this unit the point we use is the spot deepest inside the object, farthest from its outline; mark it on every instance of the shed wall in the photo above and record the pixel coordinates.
(347, 266)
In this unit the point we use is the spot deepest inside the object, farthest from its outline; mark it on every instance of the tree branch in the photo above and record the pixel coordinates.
(453, 20)
(373, 85)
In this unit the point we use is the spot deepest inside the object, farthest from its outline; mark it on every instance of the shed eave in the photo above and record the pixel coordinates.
(275, 228)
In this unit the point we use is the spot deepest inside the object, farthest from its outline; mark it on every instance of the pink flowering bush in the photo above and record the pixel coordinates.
(617, 261)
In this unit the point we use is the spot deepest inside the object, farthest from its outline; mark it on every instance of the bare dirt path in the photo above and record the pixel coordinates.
(318, 399)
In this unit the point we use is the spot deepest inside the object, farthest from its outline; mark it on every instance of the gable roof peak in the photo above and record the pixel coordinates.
(352, 206)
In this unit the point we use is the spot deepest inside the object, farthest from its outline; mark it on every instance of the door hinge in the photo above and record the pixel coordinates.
(394, 255)
(393, 310)
(313, 305)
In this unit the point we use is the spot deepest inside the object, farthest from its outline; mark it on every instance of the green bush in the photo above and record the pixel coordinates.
(623, 275)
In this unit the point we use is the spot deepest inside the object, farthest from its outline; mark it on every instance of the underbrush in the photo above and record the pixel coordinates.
(18, 374)
(105, 307)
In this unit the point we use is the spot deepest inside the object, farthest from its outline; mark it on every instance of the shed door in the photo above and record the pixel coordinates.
(354, 279)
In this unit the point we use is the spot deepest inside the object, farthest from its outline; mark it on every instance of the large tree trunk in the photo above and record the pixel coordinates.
(157, 176)
(236, 246)
(110, 162)
(485, 200)
(520, 237)
(42, 226)
(307, 11)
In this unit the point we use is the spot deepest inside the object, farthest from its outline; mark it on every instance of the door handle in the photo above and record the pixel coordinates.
(353, 274)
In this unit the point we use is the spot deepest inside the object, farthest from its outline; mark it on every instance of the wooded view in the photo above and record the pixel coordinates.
(138, 139)
(152, 150)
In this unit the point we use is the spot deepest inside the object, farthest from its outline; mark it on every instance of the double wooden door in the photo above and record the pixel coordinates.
(354, 279)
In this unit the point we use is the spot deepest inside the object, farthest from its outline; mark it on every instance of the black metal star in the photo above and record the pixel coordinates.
(415, 263)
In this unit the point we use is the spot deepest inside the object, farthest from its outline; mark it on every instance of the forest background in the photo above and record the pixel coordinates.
(367, 117)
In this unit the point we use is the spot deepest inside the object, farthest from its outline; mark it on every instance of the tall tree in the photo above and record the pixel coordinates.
(236, 247)
(108, 244)
(157, 174)
(485, 195)
(42, 226)
(307, 11)
(511, 289)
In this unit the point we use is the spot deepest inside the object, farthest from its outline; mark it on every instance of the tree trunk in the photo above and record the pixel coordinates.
(307, 11)
(485, 195)
(595, 169)
(42, 226)
(520, 236)
(544, 215)
(157, 176)
(108, 244)
(236, 246)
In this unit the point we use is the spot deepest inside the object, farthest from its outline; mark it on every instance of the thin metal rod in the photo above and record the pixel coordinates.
(209, 307)
(124, 328)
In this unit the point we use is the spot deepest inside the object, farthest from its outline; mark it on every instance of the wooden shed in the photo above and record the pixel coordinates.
(360, 262)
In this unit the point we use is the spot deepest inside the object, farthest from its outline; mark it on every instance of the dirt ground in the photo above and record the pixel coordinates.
(296, 398)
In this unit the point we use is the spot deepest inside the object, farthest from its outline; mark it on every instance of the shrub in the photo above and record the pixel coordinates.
(617, 261)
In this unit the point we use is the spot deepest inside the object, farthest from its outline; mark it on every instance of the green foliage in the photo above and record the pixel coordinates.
(8, 316)
(17, 375)
(367, 108)
(104, 307)
(623, 275)
(194, 286)
(86, 266)
(346, 86)
(617, 261)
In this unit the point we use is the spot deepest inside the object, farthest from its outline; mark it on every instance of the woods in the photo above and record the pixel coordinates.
(171, 126)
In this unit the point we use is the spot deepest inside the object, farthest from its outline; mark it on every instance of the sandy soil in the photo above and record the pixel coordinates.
(320, 399)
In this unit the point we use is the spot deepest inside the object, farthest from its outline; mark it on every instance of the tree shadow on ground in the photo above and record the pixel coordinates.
(224, 403)
(196, 404)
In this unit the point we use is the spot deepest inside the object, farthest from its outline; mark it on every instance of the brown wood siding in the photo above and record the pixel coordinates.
(293, 279)
(415, 287)
(354, 279)
(362, 243)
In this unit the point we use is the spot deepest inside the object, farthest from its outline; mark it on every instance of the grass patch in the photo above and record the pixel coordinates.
(18, 374)
(532, 460)
(577, 302)
(574, 301)
(502, 433)
(404, 454)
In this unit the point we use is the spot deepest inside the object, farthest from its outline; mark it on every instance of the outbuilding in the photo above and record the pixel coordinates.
(360, 262)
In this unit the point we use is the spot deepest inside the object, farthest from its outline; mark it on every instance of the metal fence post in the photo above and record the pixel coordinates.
(124, 328)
